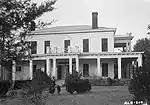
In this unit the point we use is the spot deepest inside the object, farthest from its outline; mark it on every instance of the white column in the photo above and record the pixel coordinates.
(31, 69)
(48, 66)
(70, 65)
(139, 60)
(130, 46)
(77, 64)
(54, 68)
(119, 67)
(127, 47)
(13, 70)
(99, 72)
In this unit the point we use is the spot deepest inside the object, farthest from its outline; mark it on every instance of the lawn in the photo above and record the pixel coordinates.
(99, 95)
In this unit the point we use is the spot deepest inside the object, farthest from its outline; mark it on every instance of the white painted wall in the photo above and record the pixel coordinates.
(57, 40)
(93, 66)
(24, 73)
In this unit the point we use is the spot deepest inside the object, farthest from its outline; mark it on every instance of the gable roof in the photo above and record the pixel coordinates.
(72, 29)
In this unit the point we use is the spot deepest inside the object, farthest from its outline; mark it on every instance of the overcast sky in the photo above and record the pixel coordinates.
(125, 15)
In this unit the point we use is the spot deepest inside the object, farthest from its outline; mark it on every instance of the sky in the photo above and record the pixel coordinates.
(125, 15)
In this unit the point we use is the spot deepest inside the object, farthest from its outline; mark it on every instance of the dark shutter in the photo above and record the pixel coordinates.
(105, 69)
(104, 44)
(85, 70)
(33, 47)
(85, 45)
(66, 44)
(46, 44)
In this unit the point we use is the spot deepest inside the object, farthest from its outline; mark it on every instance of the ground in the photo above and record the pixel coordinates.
(99, 95)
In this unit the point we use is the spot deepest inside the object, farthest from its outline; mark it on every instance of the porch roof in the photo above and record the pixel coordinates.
(87, 54)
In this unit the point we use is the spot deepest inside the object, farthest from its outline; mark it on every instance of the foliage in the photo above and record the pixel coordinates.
(34, 99)
(142, 45)
(17, 20)
(72, 78)
(40, 82)
(74, 83)
(140, 84)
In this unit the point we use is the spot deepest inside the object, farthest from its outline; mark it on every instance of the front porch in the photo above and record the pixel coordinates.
(113, 65)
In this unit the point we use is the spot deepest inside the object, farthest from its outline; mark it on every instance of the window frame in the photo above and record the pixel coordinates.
(104, 44)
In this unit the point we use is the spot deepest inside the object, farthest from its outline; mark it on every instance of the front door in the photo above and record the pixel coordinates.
(59, 72)
(85, 70)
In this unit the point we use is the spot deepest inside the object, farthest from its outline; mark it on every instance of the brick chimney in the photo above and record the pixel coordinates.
(94, 20)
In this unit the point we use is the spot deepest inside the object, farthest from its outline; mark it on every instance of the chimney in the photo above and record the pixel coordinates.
(94, 20)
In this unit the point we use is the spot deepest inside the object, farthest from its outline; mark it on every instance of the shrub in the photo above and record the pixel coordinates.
(74, 83)
(40, 82)
(140, 84)
(4, 87)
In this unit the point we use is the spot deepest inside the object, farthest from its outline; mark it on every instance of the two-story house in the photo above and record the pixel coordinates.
(87, 49)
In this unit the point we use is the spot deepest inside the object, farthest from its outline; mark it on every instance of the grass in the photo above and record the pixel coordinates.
(99, 95)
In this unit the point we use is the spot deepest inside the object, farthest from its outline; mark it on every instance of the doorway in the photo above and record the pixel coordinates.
(59, 72)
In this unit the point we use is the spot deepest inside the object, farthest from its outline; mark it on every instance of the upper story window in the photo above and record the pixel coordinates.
(46, 46)
(66, 44)
(104, 44)
(33, 47)
(85, 45)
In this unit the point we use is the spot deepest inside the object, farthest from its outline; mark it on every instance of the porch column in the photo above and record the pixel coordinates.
(77, 64)
(70, 65)
(127, 47)
(139, 60)
(13, 70)
(99, 72)
(48, 66)
(119, 67)
(31, 69)
(130, 46)
(54, 67)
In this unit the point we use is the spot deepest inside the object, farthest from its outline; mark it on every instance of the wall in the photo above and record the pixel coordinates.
(93, 66)
(57, 40)
(24, 73)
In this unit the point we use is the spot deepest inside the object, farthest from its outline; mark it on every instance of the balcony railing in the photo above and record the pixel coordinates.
(55, 50)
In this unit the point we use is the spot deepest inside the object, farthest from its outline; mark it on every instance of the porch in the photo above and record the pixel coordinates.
(113, 65)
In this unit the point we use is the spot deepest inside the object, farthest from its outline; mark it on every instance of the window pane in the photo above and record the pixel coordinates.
(46, 44)
(85, 45)
(104, 44)
(33, 47)
(66, 44)
(85, 70)
(104, 69)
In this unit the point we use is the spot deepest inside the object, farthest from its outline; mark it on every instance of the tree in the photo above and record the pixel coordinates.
(140, 84)
(17, 20)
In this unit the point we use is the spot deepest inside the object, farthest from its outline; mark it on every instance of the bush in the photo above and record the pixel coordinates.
(140, 84)
(4, 87)
(74, 83)
(19, 84)
(40, 82)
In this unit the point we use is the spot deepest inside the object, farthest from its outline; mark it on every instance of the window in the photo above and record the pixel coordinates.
(104, 44)
(105, 69)
(85, 70)
(85, 45)
(33, 47)
(66, 44)
(46, 46)
(18, 68)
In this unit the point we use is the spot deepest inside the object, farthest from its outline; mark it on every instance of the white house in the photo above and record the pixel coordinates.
(87, 49)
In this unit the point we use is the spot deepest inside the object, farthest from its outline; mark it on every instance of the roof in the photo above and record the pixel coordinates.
(72, 29)
(123, 37)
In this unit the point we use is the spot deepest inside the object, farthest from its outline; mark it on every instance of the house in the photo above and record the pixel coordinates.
(86, 49)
